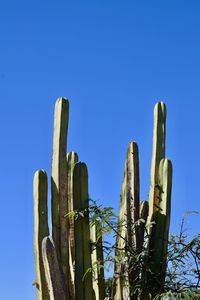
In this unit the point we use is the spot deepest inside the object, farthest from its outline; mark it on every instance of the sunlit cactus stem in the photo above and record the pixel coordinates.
(128, 237)
(40, 230)
(162, 219)
(159, 204)
(60, 224)
(144, 208)
(83, 264)
(158, 153)
(132, 193)
(54, 275)
(72, 159)
(97, 261)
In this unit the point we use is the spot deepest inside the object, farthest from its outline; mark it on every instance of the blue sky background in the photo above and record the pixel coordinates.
(113, 60)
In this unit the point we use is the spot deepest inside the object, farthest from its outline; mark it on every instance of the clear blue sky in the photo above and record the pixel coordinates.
(113, 60)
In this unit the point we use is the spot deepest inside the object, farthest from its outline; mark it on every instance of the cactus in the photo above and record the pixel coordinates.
(54, 257)
(72, 159)
(128, 215)
(60, 226)
(97, 261)
(157, 211)
(144, 209)
(158, 153)
(54, 276)
(83, 262)
(64, 262)
(162, 219)
(40, 231)
(159, 201)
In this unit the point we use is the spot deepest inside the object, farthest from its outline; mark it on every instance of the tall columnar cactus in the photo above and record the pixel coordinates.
(69, 245)
(97, 261)
(72, 159)
(83, 262)
(158, 153)
(41, 230)
(60, 226)
(160, 232)
(159, 201)
(128, 214)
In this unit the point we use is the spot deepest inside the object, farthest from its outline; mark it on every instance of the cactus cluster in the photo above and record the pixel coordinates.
(64, 259)
(153, 215)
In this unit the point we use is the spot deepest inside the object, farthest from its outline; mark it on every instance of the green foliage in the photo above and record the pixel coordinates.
(183, 258)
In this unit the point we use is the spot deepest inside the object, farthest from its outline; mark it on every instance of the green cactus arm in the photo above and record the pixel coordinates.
(133, 206)
(97, 261)
(79, 255)
(128, 215)
(118, 282)
(83, 284)
(144, 207)
(54, 276)
(60, 225)
(94, 261)
(132, 192)
(166, 187)
(100, 259)
(129, 199)
(40, 230)
(162, 218)
(86, 232)
(158, 235)
(121, 238)
(158, 152)
(72, 159)
(159, 135)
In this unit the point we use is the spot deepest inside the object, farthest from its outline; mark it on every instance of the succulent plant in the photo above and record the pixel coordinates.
(68, 262)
